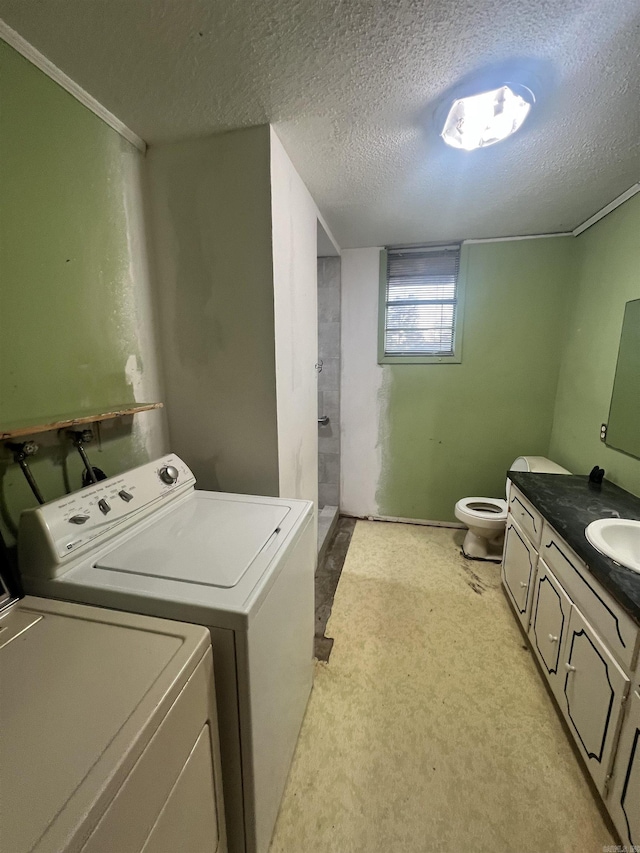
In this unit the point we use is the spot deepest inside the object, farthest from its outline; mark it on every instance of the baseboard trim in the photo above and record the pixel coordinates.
(424, 522)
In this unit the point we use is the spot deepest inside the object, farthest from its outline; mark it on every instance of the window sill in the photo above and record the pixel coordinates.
(420, 359)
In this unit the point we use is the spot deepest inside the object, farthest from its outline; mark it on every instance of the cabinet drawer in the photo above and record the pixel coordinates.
(593, 695)
(551, 609)
(519, 563)
(616, 627)
(528, 518)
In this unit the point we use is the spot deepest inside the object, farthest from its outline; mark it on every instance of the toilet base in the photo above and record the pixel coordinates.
(477, 547)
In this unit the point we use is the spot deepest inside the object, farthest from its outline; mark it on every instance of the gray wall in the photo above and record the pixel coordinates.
(211, 209)
(329, 381)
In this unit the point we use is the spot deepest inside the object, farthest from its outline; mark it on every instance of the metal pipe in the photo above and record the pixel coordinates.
(78, 437)
(87, 464)
(29, 478)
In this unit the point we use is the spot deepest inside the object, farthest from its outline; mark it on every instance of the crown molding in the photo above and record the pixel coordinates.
(605, 210)
(54, 73)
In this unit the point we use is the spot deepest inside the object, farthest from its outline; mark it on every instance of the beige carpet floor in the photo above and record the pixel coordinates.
(430, 728)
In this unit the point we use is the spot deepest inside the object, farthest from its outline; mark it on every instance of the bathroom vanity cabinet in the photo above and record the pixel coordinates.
(587, 646)
(625, 789)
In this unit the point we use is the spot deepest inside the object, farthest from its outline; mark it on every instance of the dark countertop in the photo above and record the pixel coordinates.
(569, 505)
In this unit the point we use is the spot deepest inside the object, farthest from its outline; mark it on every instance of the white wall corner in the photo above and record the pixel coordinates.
(362, 396)
(294, 218)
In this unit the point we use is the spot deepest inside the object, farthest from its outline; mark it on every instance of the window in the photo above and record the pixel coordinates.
(420, 305)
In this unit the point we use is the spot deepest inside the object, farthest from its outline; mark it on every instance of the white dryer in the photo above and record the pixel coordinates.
(243, 566)
(108, 734)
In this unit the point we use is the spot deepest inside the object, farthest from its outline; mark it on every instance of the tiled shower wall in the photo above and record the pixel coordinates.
(329, 381)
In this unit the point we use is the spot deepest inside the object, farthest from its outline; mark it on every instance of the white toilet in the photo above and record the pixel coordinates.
(486, 518)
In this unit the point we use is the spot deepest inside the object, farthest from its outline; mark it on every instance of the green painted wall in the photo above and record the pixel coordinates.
(608, 274)
(67, 316)
(452, 430)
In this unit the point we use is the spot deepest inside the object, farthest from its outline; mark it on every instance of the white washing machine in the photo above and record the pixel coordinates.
(108, 733)
(149, 542)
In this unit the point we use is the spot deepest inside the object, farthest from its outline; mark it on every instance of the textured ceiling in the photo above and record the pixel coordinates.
(352, 88)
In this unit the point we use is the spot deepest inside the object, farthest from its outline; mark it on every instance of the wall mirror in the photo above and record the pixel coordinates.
(623, 429)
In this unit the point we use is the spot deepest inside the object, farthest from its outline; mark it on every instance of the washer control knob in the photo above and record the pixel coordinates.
(169, 474)
(125, 495)
(78, 519)
(103, 506)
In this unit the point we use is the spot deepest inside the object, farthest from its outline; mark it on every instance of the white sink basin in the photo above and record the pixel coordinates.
(618, 538)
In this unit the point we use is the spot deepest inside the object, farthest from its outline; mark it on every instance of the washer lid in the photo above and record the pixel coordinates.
(204, 541)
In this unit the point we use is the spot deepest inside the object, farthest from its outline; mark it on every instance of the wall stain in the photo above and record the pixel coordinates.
(383, 449)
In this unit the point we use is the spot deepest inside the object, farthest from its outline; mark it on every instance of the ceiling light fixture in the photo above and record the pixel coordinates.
(482, 120)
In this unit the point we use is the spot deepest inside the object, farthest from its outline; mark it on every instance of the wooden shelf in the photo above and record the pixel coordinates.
(62, 421)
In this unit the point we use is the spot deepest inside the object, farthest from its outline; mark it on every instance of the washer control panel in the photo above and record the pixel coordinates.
(105, 508)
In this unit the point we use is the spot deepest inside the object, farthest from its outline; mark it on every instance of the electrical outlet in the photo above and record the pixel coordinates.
(603, 432)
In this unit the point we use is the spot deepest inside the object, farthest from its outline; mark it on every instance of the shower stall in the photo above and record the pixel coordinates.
(328, 396)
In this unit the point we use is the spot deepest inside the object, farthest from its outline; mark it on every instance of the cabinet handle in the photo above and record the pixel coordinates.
(523, 584)
(569, 668)
(553, 639)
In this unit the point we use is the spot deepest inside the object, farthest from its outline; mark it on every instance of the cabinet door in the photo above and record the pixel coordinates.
(624, 799)
(549, 624)
(518, 570)
(593, 694)
(616, 629)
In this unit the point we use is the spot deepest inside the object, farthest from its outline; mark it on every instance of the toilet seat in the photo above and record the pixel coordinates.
(487, 509)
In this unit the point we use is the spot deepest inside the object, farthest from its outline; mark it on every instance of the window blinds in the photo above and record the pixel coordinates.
(421, 300)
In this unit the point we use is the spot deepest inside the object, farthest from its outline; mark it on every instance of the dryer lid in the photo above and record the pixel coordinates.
(82, 689)
(206, 540)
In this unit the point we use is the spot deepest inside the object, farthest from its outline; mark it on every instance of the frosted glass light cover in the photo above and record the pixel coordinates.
(484, 119)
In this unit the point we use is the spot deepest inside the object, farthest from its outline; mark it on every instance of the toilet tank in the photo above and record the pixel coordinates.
(538, 465)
